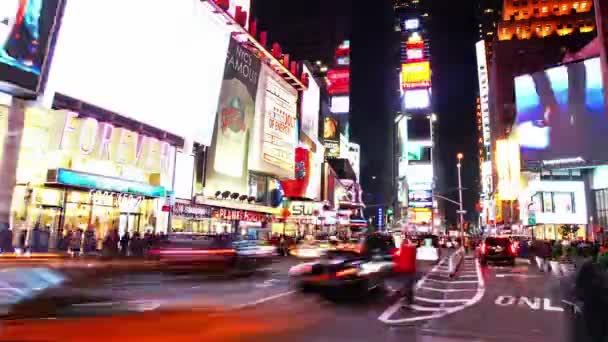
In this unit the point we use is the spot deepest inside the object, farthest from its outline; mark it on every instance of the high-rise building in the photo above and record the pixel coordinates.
(488, 16)
(531, 36)
(415, 121)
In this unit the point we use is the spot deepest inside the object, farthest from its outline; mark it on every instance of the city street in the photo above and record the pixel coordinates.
(516, 304)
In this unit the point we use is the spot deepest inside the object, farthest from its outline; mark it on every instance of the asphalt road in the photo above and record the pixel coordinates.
(518, 304)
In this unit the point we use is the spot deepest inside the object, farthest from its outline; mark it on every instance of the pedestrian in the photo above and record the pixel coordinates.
(76, 242)
(592, 289)
(136, 245)
(124, 244)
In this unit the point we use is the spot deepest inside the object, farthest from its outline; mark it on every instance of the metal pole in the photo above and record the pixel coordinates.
(460, 200)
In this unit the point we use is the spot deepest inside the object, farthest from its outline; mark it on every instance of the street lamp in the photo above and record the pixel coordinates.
(459, 156)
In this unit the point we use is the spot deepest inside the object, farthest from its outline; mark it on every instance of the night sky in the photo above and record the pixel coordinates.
(313, 31)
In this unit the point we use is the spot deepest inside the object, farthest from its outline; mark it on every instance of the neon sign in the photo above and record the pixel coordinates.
(416, 75)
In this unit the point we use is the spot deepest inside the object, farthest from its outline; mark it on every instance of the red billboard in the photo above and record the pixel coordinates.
(297, 188)
(338, 81)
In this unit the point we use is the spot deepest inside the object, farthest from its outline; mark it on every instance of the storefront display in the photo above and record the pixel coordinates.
(81, 173)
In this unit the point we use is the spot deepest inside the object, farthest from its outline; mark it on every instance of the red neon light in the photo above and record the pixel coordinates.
(338, 81)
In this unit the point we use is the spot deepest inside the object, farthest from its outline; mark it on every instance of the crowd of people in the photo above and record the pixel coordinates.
(77, 242)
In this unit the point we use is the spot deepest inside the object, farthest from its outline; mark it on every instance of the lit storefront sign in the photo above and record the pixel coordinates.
(305, 209)
(509, 169)
(484, 90)
(92, 181)
(420, 215)
(416, 75)
(192, 211)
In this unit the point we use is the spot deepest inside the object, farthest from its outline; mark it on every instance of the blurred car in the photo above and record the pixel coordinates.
(428, 248)
(213, 252)
(310, 249)
(341, 270)
(497, 249)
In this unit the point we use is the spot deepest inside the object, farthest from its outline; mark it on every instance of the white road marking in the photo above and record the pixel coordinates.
(263, 300)
(440, 301)
(480, 291)
(516, 275)
(446, 290)
(533, 303)
(453, 282)
(424, 308)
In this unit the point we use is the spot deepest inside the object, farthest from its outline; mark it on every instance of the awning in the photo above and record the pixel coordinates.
(89, 181)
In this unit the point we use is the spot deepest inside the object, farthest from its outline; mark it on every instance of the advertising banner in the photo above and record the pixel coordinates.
(561, 114)
(484, 89)
(508, 169)
(26, 30)
(601, 20)
(311, 106)
(338, 81)
(236, 110)
(416, 75)
(331, 137)
(127, 64)
(307, 182)
(275, 137)
(421, 198)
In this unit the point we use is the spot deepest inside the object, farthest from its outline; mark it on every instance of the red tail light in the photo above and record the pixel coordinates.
(484, 248)
(396, 252)
(513, 248)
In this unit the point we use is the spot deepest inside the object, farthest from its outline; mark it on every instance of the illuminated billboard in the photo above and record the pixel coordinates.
(307, 177)
(122, 62)
(415, 54)
(421, 198)
(484, 90)
(340, 104)
(508, 169)
(275, 135)
(416, 75)
(311, 105)
(26, 30)
(417, 98)
(338, 81)
(561, 114)
(412, 24)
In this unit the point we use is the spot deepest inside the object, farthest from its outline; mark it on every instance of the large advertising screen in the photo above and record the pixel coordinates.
(26, 29)
(338, 81)
(163, 68)
(272, 148)
(561, 114)
(416, 75)
(227, 162)
(417, 99)
(311, 106)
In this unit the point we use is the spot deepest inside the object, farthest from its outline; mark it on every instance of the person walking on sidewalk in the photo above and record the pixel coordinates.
(124, 244)
(76, 242)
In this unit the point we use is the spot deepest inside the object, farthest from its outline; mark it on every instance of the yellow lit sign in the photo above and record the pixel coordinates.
(416, 75)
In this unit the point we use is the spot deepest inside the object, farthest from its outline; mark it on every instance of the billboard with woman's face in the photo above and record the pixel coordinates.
(26, 28)
(561, 114)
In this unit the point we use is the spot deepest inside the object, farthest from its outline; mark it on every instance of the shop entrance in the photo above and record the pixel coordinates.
(50, 219)
(129, 222)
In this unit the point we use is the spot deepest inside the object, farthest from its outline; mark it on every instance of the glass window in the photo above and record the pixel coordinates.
(563, 202)
(547, 202)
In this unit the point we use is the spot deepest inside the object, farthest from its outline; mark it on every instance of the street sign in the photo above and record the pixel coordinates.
(462, 212)
(532, 219)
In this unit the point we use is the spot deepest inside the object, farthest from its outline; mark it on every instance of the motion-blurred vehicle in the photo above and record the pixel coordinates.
(310, 249)
(497, 249)
(342, 270)
(428, 248)
(213, 252)
(361, 268)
